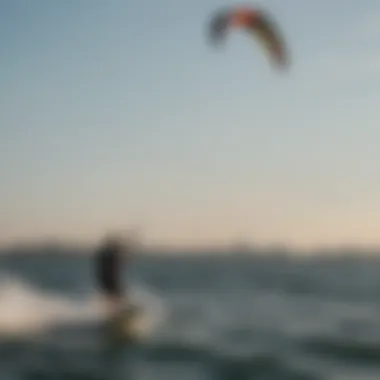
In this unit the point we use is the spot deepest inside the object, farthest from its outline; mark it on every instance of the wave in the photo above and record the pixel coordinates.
(195, 361)
(26, 310)
(358, 352)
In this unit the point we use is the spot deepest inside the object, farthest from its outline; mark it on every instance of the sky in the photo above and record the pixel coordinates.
(119, 113)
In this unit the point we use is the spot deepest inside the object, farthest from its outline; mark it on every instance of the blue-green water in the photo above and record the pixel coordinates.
(227, 317)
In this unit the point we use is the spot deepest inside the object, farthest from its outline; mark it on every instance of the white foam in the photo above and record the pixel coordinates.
(26, 309)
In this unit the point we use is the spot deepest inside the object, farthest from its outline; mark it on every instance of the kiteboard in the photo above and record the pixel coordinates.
(126, 325)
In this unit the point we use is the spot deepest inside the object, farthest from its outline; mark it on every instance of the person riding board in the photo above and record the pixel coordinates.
(108, 266)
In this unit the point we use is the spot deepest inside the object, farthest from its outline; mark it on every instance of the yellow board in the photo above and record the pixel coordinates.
(126, 325)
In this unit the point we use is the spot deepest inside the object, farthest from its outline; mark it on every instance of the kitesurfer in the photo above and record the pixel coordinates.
(108, 266)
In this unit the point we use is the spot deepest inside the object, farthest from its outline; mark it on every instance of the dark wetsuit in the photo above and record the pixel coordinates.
(108, 267)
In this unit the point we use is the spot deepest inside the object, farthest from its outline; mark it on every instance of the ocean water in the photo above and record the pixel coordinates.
(213, 317)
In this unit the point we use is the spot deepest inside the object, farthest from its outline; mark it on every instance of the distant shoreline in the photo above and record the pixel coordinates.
(79, 250)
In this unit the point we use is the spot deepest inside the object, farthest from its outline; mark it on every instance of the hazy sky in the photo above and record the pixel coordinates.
(118, 112)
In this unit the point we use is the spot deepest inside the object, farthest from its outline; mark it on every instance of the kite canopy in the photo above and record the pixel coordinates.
(255, 22)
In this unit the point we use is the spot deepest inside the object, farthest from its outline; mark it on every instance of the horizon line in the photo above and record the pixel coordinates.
(233, 247)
